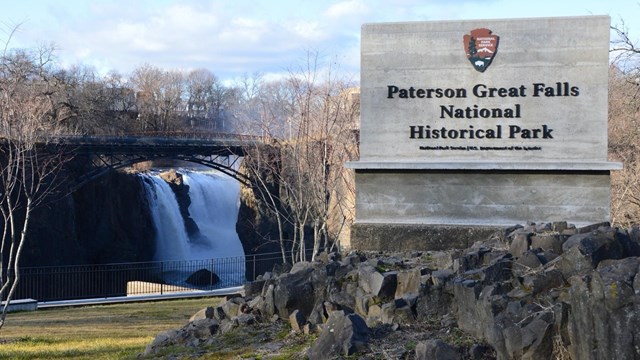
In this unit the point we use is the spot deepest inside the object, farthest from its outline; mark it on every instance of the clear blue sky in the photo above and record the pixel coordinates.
(235, 37)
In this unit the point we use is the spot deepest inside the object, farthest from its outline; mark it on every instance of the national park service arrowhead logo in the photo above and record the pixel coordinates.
(481, 47)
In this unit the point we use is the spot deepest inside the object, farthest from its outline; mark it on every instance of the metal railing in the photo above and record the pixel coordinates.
(72, 282)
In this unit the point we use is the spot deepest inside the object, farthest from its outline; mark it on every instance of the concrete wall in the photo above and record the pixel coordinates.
(482, 198)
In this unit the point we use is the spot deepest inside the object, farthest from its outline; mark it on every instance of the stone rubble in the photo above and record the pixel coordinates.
(539, 291)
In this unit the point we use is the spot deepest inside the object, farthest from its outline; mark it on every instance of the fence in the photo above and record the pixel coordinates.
(71, 282)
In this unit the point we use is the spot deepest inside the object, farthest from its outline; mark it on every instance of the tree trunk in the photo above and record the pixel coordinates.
(16, 262)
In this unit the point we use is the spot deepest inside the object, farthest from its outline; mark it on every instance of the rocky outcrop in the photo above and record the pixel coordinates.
(531, 292)
(105, 221)
(546, 294)
(181, 190)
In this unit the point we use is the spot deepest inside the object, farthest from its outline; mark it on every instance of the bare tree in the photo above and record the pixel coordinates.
(323, 140)
(257, 107)
(28, 168)
(309, 118)
(624, 127)
(626, 52)
(205, 100)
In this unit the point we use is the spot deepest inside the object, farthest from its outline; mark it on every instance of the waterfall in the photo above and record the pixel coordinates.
(172, 241)
(215, 201)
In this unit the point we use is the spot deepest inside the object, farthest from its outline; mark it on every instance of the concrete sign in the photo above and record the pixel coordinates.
(532, 90)
(469, 125)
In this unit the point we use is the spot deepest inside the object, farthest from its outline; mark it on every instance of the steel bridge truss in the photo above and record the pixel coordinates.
(102, 163)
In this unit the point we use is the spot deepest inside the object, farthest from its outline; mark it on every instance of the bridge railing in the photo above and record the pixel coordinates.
(74, 282)
(155, 137)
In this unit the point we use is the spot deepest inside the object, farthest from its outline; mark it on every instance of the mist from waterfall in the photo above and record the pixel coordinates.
(215, 201)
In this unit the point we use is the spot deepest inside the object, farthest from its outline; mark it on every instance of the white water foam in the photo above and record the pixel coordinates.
(214, 208)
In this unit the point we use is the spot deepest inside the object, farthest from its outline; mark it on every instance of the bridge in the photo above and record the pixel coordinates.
(218, 151)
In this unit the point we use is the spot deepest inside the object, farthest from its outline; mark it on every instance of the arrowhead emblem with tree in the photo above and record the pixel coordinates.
(481, 46)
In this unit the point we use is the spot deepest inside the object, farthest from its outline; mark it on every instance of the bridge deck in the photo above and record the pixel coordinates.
(214, 145)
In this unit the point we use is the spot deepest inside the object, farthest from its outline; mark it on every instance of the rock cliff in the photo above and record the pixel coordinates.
(105, 221)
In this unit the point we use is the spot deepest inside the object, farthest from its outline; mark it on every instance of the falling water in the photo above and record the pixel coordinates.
(214, 208)
(172, 241)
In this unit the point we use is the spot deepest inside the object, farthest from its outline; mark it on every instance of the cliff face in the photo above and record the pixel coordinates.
(108, 221)
(105, 221)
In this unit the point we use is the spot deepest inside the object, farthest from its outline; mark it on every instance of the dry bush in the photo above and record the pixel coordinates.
(624, 146)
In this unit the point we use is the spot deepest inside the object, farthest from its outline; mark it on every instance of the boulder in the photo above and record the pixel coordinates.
(206, 313)
(605, 311)
(527, 262)
(203, 277)
(297, 321)
(408, 282)
(342, 335)
(530, 340)
(191, 334)
(548, 241)
(299, 291)
(255, 287)
(520, 243)
(541, 281)
(382, 285)
(583, 252)
(436, 350)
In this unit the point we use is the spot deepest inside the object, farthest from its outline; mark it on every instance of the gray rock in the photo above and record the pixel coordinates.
(439, 278)
(344, 297)
(471, 260)
(520, 243)
(382, 285)
(257, 305)
(527, 262)
(218, 313)
(542, 281)
(191, 334)
(388, 312)
(498, 271)
(164, 339)
(269, 301)
(408, 283)
(297, 321)
(246, 319)
(342, 335)
(362, 304)
(433, 302)
(436, 350)
(529, 334)
(231, 307)
(228, 325)
(605, 312)
(299, 291)
(480, 351)
(592, 227)
(559, 226)
(583, 252)
(548, 241)
(300, 266)
(254, 288)
(206, 313)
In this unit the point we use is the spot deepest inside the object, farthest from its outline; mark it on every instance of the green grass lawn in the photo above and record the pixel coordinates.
(119, 331)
